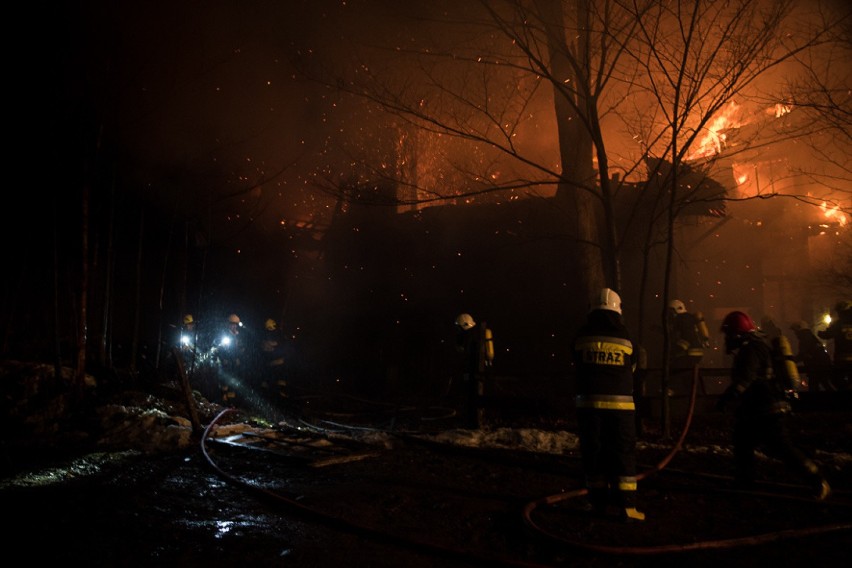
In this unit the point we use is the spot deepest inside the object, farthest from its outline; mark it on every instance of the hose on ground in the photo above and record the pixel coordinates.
(351, 527)
(530, 508)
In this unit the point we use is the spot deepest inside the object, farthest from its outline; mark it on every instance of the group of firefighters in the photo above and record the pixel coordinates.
(764, 377)
(249, 363)
(689, 338)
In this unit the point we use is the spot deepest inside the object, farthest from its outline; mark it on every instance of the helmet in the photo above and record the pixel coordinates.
(187, 319)
(465, 321)
(234, 318)
(737, 323)
(799, 325)
(606, 299)
(270, 325)
(677, 306)
(736, 326)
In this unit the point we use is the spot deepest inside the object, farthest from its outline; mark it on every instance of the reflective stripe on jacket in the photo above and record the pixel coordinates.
(605, 402)
(604, 359)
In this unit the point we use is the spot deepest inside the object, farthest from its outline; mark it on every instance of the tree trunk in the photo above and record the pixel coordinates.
(106, 324)
(134, 349)
(577, 184)
(82, 327)
(57, 343)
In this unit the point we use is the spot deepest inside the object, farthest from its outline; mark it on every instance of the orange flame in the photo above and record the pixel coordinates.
(712, 141)
(834, 214)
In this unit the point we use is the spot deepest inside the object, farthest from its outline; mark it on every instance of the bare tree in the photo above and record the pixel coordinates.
(821, 95)
(695, 59)
(679, 64)
(485, 89)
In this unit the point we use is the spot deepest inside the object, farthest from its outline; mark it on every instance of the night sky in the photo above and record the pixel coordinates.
(211, 92)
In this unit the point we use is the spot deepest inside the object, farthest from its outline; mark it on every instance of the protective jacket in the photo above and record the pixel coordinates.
(604, 358)
(687, 339)
(754, 381)
(840, 330)
(761, 418)
(812, 352)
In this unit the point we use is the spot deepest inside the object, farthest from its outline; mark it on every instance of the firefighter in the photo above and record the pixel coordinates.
(188, 328)
(231, 351)
(604, 357)
(763, 408)
(769, 328)
(840, 330)
(272, 361)
(688, 338)
(188, 340)
(231, 343)
(814, 357)
(475, 346)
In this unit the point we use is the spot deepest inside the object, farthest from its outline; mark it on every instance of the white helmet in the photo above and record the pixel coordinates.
(607, 299)
(677, 306)
(465, 321)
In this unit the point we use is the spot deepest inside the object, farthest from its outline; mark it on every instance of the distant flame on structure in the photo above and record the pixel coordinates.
(834, 214)
(711, 143)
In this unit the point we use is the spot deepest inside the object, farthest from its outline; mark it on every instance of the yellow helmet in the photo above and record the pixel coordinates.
(187, 319)
(271, 325)
(234, 318)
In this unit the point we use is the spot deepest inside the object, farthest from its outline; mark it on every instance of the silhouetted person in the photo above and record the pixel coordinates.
(475, 346)
(763, 408)
(814, 357)
(769, 328)
(840, 331)
(604, 358)
(688, 338)
(273, 383)
(188, 340)
(231, 350)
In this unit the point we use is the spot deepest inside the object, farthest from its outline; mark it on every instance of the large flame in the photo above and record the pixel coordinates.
(713, 139)
(834, 214)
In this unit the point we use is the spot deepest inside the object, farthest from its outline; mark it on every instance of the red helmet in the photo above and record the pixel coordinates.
(737, 323)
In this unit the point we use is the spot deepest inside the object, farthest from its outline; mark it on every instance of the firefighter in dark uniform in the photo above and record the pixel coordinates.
(763, 406)
(188, 340)
(604, 358)
(814, 357)
(231, 354)
(475, 346)
(840, 330)
(688, 337)
(273, 382)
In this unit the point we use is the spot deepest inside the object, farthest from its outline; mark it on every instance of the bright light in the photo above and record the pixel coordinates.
(826, 319)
